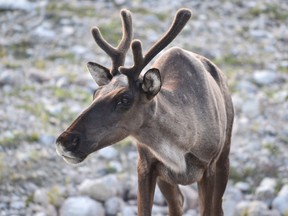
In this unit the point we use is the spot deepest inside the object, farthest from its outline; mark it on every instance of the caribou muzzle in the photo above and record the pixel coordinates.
(67, 146)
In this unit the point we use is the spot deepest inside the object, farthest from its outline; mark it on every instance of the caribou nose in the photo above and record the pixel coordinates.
(68, 141)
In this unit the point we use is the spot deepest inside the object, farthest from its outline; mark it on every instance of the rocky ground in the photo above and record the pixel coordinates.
(44, 46)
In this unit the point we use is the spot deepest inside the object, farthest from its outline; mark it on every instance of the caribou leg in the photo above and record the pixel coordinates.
(206, 191)
(173, 197)
(147, 177)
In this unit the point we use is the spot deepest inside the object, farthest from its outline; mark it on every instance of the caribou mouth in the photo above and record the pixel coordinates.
(69, 157)
(73, 160)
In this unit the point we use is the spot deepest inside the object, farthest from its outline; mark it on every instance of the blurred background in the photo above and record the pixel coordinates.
(44, 85)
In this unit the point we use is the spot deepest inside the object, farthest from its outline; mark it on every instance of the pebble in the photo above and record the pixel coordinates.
(113, 205)
(41, 197)
(99, 189)
(81, 206)
(280, 202)
(263, 78)
(190, 197)
(108, 152)
(266, 191)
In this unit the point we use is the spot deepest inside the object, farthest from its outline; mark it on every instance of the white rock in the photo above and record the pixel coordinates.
(257, 208)
(99, 189)
(266, 191)
(231, 197)
(266, 77)
(241, 208)
(129, 211)
(114, 205)
(243, 186)
(191, 212)
(41, 197)
(108, 152)
(159, 210)
(158, 197)
(81, 206)
(16, 5)
(281, 201)
(190, 197)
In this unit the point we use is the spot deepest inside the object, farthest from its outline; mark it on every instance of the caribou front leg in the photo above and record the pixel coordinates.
(147, 177)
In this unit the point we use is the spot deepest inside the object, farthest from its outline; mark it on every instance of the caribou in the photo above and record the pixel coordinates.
(180, 113)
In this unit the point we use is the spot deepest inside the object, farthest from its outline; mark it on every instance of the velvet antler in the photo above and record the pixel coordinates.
(140, 61)
(117, 54)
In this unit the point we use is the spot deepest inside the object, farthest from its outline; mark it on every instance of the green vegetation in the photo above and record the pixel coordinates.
(62, 55)
(55, 196)
(13, 140)
(3, 167)
(58, 7)
(273, 10)
(272, 148)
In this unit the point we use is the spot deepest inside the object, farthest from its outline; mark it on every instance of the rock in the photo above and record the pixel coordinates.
(99, 189)
(81, 206)
(16, 5)
(44, 32)
(231, 197)
(257, 208)
(266, 78)
(241, 208)
(266, 191)
(129, 211)
(17, 204)
(190, 197)
(280, 202)
(113, 205)
(36, 76)
(108, 152)
(9, 77)
(47, 139)
(158, 197)
(159, 210)
(243, 186)
(191, 212)
(40, 196)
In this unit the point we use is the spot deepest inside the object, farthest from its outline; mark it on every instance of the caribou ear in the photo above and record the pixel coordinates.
(151, 82)
(100, 74)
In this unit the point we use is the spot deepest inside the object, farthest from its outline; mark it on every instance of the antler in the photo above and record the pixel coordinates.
(117, 54)
(140, 61)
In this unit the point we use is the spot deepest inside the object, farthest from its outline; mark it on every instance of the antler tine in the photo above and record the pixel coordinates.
(180, 20)
(118, 54)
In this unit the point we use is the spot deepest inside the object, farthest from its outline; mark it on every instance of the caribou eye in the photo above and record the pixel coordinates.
(124, 100)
